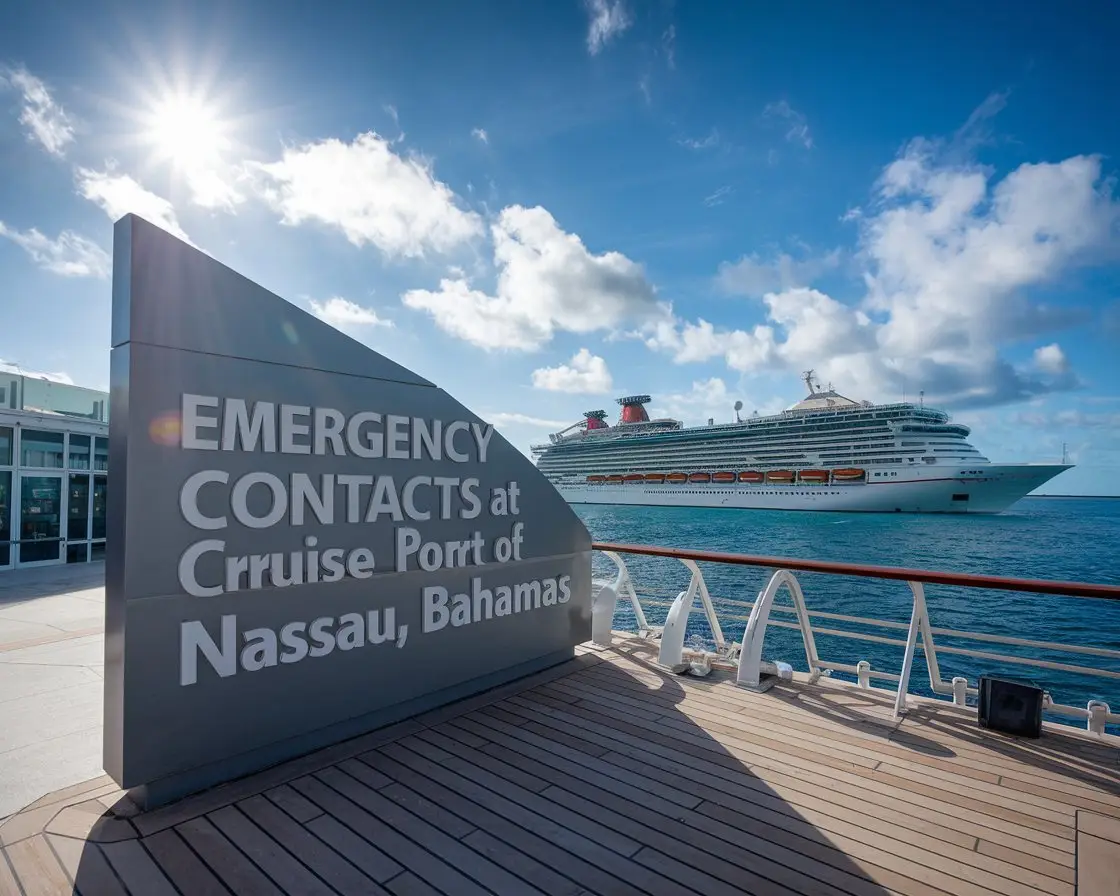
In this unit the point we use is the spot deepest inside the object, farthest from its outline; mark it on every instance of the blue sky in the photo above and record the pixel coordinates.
(544, 206)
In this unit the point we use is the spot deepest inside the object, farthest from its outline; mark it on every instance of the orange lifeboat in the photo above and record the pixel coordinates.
(596, 478)
(676, 478)
(655, 477)
(750, 476)
(615, 478)
(700, 477)
(633, 477)
(779, 476)
(723, 477)
(813, 476)
(848, 474)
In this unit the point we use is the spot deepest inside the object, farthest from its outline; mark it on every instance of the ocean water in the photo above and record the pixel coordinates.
(1073, 539)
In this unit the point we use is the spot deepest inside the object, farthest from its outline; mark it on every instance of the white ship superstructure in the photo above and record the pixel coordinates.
(826, 452)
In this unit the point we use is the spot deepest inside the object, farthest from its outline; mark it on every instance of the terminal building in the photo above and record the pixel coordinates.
(54, 461)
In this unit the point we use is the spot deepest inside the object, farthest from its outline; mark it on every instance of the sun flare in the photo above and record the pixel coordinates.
(186, 130)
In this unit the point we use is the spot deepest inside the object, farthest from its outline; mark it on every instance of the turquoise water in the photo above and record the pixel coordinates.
(1075, 539)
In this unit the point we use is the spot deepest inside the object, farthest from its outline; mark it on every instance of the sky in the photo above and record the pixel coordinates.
(545, 206)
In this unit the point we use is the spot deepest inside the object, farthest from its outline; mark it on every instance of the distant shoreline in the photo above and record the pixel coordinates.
(1107, 497)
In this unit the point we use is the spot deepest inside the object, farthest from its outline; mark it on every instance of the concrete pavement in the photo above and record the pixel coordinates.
(51, 663)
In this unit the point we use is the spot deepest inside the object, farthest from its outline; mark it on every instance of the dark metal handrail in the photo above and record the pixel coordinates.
(969, 580)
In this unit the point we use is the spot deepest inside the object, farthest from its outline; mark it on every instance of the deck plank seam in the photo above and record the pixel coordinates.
(10, 865)
(197, 855)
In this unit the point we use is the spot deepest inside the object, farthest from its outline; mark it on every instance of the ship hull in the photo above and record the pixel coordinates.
(993, 489)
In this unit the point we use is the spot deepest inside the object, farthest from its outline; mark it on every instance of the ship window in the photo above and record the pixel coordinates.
(960, 497)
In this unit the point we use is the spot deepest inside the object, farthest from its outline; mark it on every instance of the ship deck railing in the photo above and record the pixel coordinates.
(745, 657)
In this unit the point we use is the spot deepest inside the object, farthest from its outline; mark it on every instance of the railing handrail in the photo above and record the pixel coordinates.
(898, 573)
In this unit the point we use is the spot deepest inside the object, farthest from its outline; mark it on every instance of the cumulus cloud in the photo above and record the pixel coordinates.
(547, 280)
(585, 373)
(344, 314)
(952, 260)
(1051, 359)
(608, 19)
(370, 193)
(706, 399)
(119, 195)
(69, 255)
(47, 123)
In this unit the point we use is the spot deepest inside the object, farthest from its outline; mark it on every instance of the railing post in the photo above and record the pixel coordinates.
(863, 674)
(706, 601)
(916, 621)
(624, 587)
(676, 627)
(602, 615)
(749, 674)
(1098, 716)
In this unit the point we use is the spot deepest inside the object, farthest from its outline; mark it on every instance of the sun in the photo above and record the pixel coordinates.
(186, 130)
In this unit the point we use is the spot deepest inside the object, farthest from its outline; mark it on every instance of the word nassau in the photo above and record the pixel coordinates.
(263, 648)
(210, 423)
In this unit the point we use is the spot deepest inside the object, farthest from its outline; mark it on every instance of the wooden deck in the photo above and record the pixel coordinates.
(610, 776)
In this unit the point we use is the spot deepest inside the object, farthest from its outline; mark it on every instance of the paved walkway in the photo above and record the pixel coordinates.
(51, 659)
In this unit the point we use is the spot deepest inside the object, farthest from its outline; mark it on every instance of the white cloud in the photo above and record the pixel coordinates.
(480, 135)
(797, 127)
(13, 367)
(70, 255)
(754, 276)
(706, 399)
(343, 313)
(547, 281)
(1051, 359)
(370, 193)
(951, 260)
(46, 121)
(608, 18)
(119, 195)
(585, 373)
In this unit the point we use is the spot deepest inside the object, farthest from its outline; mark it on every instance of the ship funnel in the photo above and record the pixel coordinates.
(595, 419)
(633, 409)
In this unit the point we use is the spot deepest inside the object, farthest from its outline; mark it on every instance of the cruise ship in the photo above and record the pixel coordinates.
(826, 452)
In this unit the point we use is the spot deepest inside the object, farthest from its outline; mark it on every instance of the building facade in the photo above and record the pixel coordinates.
(54, 464)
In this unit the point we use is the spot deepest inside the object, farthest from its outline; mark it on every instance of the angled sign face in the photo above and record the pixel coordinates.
(306, 540)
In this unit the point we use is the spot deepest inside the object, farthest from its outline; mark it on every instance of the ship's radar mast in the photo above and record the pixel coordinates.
(633, 409)
(810, 378)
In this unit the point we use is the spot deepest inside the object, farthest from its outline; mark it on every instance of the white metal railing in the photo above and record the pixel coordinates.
(755, 673)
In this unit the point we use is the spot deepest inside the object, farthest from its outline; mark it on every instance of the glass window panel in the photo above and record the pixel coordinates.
(77, 553)
(101, 454)
(40, 516)
(7, 440)
(99, 493)
(63, 398)
(79, 452)
(77, 520)
(5, 518)
(41, 449)
(97, 551)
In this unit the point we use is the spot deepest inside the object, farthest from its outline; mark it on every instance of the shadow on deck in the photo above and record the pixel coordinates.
(609, 775)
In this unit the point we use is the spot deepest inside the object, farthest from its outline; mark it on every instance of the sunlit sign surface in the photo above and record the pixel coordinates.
(306, 540)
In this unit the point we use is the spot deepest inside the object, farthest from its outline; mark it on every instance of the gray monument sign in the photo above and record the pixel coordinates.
(306, 540)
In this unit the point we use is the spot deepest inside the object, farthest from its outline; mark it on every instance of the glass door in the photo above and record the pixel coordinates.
(41, 531)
